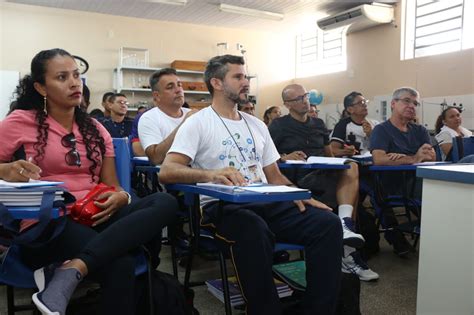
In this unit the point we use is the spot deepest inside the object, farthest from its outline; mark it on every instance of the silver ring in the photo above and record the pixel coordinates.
(110, 215)
(21, 170)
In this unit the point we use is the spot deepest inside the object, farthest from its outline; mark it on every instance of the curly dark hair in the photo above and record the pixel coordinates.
(30, 99)
(439, 121)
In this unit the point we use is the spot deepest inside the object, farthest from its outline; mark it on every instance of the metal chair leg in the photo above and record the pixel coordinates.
(225, 284)
(10, 301)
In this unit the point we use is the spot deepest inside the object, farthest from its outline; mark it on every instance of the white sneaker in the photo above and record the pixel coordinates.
(353, 263)
(350, 238)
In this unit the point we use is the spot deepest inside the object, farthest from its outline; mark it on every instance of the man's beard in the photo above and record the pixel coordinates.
(234, 97)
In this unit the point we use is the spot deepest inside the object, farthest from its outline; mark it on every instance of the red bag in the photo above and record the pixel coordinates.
(83, 210)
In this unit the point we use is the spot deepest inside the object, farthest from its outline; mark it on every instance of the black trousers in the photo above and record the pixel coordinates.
(249, 232)
(109, 249)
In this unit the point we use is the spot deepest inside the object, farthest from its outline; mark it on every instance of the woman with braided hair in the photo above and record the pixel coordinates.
(62, 143)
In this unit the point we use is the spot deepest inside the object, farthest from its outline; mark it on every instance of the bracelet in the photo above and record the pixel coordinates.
(128, 196)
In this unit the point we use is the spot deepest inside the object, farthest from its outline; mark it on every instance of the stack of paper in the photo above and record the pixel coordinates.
(27, 194)
(215, 287)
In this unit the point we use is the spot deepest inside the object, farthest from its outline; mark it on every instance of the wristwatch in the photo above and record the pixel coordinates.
(128, 196)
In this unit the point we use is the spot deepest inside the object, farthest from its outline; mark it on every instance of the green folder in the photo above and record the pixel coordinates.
(293, 273)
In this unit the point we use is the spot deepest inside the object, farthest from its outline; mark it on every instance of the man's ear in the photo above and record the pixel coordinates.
(156, 96)
(216, 84)
(392, 104)
(286, 105)
(40, 89)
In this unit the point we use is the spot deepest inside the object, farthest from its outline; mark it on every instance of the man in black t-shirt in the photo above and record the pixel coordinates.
(351, 134)
(298, 136)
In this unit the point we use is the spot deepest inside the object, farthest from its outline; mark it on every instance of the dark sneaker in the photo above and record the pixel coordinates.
(401, 247)
(350, 238)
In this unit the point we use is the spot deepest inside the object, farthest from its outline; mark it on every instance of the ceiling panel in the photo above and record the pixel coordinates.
(206, 12)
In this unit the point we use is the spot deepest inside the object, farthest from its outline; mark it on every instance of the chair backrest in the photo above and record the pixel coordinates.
(462, 147)
(123, 166)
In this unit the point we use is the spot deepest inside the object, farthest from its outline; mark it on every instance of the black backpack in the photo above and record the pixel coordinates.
(169, 296)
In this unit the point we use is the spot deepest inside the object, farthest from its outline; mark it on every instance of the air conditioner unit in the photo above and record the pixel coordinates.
(359, 18)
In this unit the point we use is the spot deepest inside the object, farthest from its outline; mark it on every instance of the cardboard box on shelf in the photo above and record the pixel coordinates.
(189, 65)
(194, 86)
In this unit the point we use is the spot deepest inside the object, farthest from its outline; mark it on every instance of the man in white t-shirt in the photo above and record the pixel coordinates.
(158, 126)
(229, 147)
(351, 135)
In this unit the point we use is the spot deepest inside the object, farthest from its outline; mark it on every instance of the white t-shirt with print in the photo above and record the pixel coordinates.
(212, 142)
(154, 126)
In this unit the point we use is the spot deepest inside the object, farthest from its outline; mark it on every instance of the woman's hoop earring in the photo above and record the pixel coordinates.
(45, 109)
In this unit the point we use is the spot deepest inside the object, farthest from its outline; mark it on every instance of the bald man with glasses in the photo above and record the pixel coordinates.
(298, 136)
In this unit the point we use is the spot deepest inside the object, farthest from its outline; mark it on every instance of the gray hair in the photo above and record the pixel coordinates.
(398, 92)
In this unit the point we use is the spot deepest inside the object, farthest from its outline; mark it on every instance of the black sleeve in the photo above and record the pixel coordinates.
(339, 132)
(275, 133)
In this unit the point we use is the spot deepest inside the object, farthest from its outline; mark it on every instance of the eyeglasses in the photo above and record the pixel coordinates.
(408, 101)
(300, 98)
(72, 157)
(123, 102)
(361, 102)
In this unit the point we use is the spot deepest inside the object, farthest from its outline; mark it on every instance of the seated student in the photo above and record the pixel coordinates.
(351, 135)
(106, 103)
(270, 114)
(63, 143)
(248, 108)
(97, 114)
(229, 147)
(399, 141)
(448, 126)
(313, 111)
(297, 136)
(158, 126)
(118, 124)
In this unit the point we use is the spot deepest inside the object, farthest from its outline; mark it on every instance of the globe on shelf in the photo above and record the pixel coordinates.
(315, 97)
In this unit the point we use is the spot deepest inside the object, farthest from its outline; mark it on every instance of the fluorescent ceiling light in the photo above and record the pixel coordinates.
(173, 2)
(251, 12)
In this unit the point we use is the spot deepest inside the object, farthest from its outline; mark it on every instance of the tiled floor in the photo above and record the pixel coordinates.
(393, 293)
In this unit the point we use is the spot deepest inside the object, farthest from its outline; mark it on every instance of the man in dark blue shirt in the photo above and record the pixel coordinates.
(398, 141)
(297, 136)
(118, 124)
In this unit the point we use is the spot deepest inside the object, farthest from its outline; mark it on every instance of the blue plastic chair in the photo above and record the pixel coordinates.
(462, 147)
(381, 200)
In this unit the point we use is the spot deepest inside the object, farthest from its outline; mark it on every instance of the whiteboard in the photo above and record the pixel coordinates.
(8, 82)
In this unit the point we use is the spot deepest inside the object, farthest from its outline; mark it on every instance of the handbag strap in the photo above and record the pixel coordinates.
(44, 219)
